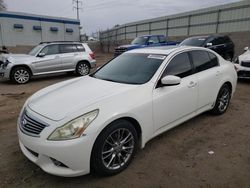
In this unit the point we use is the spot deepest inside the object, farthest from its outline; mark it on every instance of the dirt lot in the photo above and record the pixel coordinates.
(178, 158)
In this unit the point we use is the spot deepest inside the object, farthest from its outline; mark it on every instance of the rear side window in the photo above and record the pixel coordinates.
(162, 39)
(80, 48)
(179, 66)
(213, 59)
(68, 48)
(202, 60)
(51, 49)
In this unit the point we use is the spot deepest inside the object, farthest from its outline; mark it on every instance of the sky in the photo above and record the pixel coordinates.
(99, 15)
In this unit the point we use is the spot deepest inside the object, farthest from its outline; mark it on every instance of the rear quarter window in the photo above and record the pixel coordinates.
(80, 48)
(203, 60)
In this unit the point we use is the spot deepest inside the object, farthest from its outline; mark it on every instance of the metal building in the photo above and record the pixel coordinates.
(20, 29)
(232, 19)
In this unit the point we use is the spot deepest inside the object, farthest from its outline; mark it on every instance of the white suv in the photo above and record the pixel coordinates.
(48, 58)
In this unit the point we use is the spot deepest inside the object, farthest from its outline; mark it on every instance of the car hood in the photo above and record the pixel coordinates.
(58, 101)
(245, 56)
(131, 46)
(15, 57)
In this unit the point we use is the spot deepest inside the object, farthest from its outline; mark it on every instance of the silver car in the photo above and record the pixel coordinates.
(47, 58)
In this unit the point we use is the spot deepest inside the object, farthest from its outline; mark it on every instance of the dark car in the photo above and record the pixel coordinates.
(221, 44)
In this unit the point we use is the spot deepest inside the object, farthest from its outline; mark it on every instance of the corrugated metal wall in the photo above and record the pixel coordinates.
(234, 17)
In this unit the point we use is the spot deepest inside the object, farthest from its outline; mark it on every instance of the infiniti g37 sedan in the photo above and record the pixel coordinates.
(96, 123)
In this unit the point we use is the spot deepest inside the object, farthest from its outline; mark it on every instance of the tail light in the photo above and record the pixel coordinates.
(92, 55)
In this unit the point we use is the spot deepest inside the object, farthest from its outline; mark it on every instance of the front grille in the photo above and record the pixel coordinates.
(244, 74)
(245, 63)
(119, 51)
(30, 126)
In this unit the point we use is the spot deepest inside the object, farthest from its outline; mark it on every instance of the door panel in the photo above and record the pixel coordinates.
(49, 62)
(172, 103)
(68, 55)
(208, 74)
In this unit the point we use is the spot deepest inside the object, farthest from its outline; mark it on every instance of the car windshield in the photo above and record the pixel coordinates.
(140, 40)
(130, 68)
(193, 42)
(35, 50)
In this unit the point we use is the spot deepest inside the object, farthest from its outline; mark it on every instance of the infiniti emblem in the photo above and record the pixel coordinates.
(24, 122)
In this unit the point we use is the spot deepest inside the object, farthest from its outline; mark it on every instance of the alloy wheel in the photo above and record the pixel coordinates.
(21, 76)
(118, 148)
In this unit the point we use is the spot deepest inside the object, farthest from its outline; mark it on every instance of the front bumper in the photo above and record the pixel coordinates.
(93, 64)
(243, 72)
(62, 158)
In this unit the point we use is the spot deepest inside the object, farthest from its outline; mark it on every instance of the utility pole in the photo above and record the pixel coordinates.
(78, 6)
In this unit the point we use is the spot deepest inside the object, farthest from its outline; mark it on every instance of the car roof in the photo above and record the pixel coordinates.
(61, 42)
(166, 50)
(151, 36)
(206, 36)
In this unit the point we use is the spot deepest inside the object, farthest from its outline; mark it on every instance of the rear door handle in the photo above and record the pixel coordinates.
(192, 84)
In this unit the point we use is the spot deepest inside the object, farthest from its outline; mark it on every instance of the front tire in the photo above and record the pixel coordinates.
(114, 148)
(222, 101)
(20, 75)
(82, 69)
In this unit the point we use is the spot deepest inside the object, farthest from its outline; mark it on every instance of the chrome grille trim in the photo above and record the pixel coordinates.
(245, 64)
(30, 125)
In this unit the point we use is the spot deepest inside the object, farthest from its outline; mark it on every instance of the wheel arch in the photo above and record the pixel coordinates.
(83, 61)
(22, 65)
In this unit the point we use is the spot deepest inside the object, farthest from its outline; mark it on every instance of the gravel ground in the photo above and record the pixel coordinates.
(177, 158)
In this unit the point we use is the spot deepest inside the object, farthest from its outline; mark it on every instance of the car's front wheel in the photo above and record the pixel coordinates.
(114, 148)
(222, 101)
(20, 75)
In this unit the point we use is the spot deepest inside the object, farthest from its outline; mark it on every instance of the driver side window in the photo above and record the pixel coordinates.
(179, 66)
(154, 40)
(51, 49)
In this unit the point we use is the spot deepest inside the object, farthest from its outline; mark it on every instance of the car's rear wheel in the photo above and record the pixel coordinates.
(114, 148)
(82, 69)
(20, 75)
(222, 101)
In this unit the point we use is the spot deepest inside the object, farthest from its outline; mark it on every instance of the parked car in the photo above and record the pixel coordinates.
(221, 44)
(242, 64)
(143, 42)
(96, 123)
(47, 58)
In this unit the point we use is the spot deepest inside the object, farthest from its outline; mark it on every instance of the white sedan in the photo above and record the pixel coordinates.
(97, 122)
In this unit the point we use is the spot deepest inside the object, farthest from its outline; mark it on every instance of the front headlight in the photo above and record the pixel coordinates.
(75, 128)
(5, 64)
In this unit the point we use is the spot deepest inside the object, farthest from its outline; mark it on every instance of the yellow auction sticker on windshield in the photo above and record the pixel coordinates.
(162, 57)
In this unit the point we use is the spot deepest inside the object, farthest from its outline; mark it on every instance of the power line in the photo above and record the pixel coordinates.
(78, 6)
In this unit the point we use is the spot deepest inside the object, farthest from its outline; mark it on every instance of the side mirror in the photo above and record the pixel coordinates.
(170, 80)
(41, 54)
(209, 44)
(246, 49)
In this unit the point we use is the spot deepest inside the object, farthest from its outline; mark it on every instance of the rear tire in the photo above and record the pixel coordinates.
(20, 75)
(82, 69)
(222, 101)
(114, 148)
